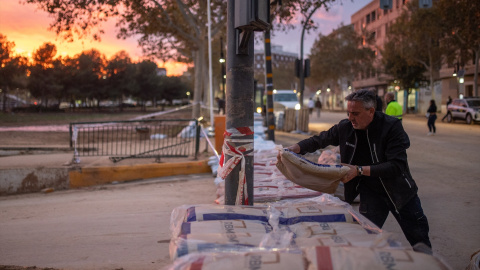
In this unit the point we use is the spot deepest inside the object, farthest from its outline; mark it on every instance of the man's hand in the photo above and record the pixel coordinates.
(294, 148)
(352, 173)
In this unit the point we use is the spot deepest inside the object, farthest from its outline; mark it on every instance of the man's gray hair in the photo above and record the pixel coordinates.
(367, 97)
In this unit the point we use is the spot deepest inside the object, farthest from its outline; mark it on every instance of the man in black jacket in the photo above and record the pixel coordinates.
(374, 146)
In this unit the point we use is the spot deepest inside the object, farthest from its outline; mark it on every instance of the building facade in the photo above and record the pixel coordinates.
(376, 21)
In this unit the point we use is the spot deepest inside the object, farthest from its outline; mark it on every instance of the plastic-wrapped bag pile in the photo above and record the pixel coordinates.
(269, 183)
(314, 233)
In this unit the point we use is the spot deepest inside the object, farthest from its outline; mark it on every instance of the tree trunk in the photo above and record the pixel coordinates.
(197, 97)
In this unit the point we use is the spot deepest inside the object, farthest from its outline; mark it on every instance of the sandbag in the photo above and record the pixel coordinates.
(356, 258)
(320, 177)
(259, 260)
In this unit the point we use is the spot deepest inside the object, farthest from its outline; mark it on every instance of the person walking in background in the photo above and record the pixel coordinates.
(221, 105)
(379, 107)
(432, 116)
(318, 105)
(449, 101)
(374, 147)
(393, 108)
(311, 105)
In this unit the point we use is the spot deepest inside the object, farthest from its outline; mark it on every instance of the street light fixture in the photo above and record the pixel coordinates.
(222, 61)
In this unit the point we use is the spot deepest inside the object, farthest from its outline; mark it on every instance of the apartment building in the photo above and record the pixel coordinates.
(376, 21)
(372, 19)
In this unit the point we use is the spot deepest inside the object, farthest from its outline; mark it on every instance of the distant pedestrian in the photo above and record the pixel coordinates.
(318, 105)
(311, 105)
(432, 116)
(221, 105)
(449, 101)
(393, 108)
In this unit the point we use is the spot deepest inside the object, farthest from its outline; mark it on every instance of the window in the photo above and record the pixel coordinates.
(368, 18)
(373, 16)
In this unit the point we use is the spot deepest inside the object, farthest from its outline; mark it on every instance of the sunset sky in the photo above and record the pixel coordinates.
(28, 28)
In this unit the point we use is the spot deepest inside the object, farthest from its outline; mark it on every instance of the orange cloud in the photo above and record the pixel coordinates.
(28, 28)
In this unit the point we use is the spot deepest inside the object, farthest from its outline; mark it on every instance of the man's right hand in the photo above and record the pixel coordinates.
(294, 148)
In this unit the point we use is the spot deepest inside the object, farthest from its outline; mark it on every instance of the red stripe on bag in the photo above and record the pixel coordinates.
(324, 258)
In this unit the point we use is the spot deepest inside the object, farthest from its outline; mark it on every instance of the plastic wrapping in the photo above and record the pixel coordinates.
(323, 220)
(356, 258)
(251, 259)
(314, 258)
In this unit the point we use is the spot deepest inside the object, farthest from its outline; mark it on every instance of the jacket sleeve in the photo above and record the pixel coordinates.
(395, 153)
(320, 141)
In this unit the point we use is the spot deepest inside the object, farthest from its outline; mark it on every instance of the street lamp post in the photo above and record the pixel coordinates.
(222, 61)
(301, 65)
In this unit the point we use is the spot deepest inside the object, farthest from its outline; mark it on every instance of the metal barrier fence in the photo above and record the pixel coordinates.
(136, 139)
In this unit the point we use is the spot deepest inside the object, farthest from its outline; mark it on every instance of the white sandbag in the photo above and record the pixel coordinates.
(213, 242)
(319, 177)
(225, 226)
(310, 212)
(354, 240)
(314, 229)
(258, 260)
(225, 212)
(357, 258)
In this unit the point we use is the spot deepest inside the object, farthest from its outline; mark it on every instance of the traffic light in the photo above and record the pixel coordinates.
(386, 4)
(425, 3)
(297, 67)
(306, 70)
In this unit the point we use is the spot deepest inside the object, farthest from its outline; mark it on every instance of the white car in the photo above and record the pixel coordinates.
(285, 99)
(467, 109)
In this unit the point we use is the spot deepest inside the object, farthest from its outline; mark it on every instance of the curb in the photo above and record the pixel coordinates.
(90, 176)
(31, 180)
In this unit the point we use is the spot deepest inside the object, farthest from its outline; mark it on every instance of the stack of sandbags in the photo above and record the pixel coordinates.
(314, 258)
(269, 183)
(319, 221)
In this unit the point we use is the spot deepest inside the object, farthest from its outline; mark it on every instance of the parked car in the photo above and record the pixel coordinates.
(467, 109)
(285, 99)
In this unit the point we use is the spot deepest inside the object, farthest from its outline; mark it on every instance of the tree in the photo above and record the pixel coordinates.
(88, 75)
(42, 82)
(339, 55)
(173, 88)
(147, 80)
(408, 75)
(462, 19)
(120, 74)
(168, 29)
(12, 68)
(416, 34)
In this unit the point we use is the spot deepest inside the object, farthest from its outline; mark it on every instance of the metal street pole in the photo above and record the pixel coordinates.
(301, 66)
(269, 87)
(239, 110)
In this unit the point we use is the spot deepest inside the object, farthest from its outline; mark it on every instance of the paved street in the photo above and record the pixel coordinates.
(126, 225)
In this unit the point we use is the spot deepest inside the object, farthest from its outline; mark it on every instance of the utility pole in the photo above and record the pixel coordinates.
(243, 17)
(301, 66)
(269, 87)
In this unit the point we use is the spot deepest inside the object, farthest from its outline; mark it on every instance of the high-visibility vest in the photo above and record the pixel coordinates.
(394, 109)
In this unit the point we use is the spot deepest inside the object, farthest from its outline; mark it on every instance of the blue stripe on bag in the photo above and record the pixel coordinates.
(322, 218)
(186, 228)
(231, 216)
